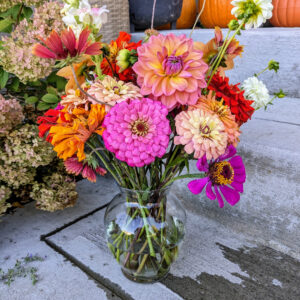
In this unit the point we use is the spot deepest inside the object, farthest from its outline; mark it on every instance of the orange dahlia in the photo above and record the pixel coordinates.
(210, 104)
(73, 130)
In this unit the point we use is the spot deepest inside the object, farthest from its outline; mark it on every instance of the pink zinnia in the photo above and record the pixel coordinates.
(171, 70)
(73, 166)
(224, 178)
(137, 131)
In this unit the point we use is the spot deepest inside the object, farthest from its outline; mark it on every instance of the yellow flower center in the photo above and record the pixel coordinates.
(221, 173)
(140, 127)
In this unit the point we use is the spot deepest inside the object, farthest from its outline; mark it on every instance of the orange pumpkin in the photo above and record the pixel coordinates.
(286, 13)
(187, 17)
(216, 13)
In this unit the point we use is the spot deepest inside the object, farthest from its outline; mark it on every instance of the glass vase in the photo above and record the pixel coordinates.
(144, 230)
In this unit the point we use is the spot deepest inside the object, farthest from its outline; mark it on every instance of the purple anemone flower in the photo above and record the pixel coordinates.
(225, 178)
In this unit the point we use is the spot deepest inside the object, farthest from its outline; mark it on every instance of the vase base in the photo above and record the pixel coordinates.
(145, 279)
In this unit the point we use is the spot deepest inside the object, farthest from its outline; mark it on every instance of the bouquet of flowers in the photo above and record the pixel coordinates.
(142, 112)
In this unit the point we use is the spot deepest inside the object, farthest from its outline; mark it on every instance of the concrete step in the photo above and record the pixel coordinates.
(215, 262)
(261, 45)
(269, 208)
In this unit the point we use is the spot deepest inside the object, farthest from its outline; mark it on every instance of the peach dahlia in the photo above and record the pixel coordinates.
(171, 70)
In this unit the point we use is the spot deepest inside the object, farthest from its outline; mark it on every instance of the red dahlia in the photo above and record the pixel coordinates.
(233, 97)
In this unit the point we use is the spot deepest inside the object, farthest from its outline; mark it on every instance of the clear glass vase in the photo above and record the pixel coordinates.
(144, 230)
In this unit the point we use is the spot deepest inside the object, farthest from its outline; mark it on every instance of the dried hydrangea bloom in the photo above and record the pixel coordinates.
(201, 133)
(16, 56)
(6, 4)
(112, 91)
(5, 193)
(22, 153)
(11, 115)
(56, 192)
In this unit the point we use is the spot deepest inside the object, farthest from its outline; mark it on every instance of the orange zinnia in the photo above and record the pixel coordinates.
(73, 130)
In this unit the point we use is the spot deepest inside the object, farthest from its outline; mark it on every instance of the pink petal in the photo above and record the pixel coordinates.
(230, 151)
(69, 40)
(42, 51)
(196, 186)
(219, 197)
(54, 43)
(209, 192)
(231, 196)
(202, 164)
(93, 49)
(82, 41)
(237, 162)
(238, 186)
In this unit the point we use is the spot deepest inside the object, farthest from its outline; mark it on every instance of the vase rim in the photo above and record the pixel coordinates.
(145, 191)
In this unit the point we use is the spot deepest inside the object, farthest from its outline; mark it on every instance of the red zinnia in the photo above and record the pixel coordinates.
(233, 97)
(66, 45)
(122, 42)
(47, 121)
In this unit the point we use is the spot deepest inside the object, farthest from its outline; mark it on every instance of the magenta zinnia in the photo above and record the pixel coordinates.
(171, 70)
(224, 178)
(137, 131)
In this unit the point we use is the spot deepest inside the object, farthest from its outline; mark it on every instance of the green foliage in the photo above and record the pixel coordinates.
(11, 18)
(21, 269)
(3, 78)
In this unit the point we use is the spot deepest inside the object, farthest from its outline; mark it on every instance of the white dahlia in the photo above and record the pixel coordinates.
(256, 12)
(257, 91)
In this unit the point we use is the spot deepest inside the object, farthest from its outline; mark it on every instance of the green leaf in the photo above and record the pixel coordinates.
(43, 106)
(32, 100)
(5, 25)
(27, 12)
(3, 78)
(51, 90)
(61, 83)
(50, 98)
(15, 84)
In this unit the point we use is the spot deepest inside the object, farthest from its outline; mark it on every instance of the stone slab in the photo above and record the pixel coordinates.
(215, 262)
(85, 242)
(269, 207)
(261, 45)
(58, 278)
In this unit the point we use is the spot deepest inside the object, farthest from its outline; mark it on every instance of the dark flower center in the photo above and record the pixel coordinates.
(205, 130)
(221, 173)
(140, 127)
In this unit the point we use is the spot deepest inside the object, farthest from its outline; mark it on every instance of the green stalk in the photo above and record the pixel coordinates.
(199, 176)
(105, 163)
(224, 51)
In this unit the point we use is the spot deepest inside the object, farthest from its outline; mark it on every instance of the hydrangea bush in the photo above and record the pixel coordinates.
(28, 165)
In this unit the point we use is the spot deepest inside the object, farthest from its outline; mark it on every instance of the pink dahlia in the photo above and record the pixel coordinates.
(73, 166)
(171, 70)
(137, 131)
(224, 179)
